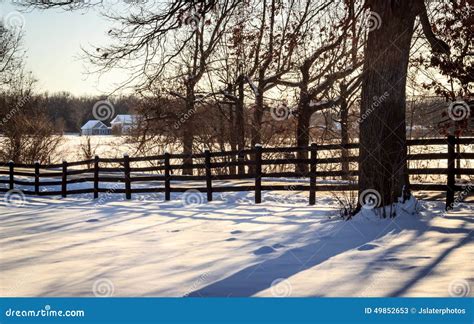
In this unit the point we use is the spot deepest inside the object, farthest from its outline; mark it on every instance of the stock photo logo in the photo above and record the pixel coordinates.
(103, 288)
(192, 197)
(459, 288)
(281, 288)
(375, 104)
(15, 198)
(192, 20)
(280, 113)
(459, 110)
(13, 21)
(103, 110)
(370, 199)
(372, 21)
(201, 280)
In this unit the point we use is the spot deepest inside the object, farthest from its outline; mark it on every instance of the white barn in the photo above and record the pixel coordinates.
(123, 124)
(95, 127)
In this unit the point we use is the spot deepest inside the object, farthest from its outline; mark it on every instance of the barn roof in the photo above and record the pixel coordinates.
(93, 124)
(126, 119)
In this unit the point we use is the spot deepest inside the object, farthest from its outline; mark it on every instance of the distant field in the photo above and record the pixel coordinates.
(104, 146)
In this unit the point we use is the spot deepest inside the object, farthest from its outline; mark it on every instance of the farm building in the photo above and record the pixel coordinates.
(122, 124)
(95, 127)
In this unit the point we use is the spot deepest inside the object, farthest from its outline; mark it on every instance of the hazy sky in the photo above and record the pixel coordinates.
(53, 40)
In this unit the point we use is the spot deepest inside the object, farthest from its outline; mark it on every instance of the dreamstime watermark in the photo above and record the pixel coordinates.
(149, 197)
(15, 198)
(103, 110)
(281, 288)
(20, 104)
(103, 288)
(191, 19)
(459, 288)
(107, 195)
(192, 197)
(280, 113)
(47, 311)
(13, 21)
(198, 282)
(370, 199)
(459, 199)
(372, 21)
(376, 102)
(459, 110)
(184, 118)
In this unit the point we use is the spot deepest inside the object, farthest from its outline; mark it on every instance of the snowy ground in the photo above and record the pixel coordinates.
(230, 247)
(104, 146)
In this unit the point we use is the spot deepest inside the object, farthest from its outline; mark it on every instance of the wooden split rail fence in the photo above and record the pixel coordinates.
(95, 171)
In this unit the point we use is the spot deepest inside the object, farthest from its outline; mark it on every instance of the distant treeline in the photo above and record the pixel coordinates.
(67, 113)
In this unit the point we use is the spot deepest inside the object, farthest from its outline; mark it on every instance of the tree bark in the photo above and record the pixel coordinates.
(383, 150)
(232, 132)
(257, 119)
(188, 133)
(304, 118)
(344, 132)
(240, 121)
(257, 125)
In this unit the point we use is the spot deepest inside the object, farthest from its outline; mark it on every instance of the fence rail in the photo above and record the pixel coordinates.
(97, 171)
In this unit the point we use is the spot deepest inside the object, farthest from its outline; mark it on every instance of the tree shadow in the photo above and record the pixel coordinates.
(425, 271)
(260, 276)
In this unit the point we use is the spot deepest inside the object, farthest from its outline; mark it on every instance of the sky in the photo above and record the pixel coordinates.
(53, 40)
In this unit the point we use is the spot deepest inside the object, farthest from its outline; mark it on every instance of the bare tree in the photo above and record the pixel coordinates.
(10, 53)
(383, 149)
(322, 63)
(28, 134)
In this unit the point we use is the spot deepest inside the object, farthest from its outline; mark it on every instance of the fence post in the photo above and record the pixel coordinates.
(167, 177)
(241, 159)
(96, 177)
(37, 177)
(458, 158)
(207, 156)
(128, 186)
(451, 181)
(11, 165)
(258, 173)
(312, 174)
(64, 181)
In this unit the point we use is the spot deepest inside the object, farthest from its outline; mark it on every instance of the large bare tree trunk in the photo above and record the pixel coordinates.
(257, 124)
(240, 121)
(383, 151)
(232, 132)
(188, 133)
(304, 117)
(257, 119)
(344, 132)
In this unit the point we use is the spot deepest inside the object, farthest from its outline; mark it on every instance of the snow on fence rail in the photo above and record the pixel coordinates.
(95, 172)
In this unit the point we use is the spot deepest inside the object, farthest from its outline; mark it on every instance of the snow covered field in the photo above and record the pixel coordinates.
(230, 247)
(104, 146)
